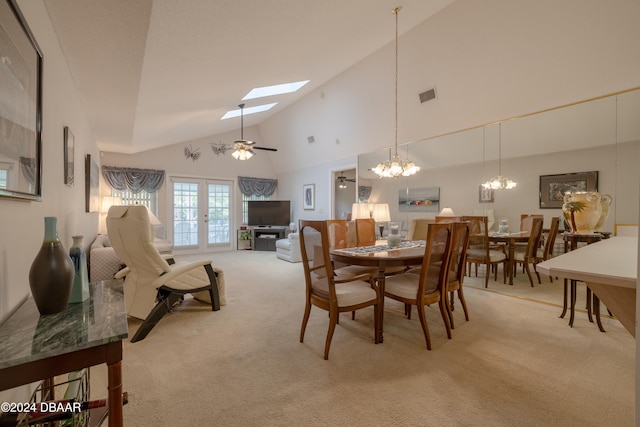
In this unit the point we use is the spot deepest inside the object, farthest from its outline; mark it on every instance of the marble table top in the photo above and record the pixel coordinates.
(26, 336)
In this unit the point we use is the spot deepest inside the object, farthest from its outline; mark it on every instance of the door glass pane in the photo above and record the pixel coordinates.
(185, 214)
(219, 224)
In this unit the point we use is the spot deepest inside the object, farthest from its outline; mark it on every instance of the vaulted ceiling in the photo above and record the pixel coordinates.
(152, 73)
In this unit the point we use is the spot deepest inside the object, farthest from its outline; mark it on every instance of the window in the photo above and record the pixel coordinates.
(245, 205)
(145, 198)
(3, 178)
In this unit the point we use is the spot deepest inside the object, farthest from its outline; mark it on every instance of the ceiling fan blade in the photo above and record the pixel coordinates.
(264, 148)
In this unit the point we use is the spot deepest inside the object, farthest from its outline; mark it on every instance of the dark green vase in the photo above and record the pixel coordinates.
(52, 272)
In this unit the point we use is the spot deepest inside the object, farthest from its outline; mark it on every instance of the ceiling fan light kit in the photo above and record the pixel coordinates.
(242, 148)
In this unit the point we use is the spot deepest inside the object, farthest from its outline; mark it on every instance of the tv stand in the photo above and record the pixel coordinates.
(265, 237)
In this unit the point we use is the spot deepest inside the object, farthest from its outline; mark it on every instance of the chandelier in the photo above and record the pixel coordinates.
(500, 182)
(395, 167)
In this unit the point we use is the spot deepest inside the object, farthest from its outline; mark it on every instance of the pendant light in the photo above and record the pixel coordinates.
(395, 167)
(500, 182)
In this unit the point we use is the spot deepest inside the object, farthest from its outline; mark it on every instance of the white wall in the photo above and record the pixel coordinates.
(22, 225)
(489, 60)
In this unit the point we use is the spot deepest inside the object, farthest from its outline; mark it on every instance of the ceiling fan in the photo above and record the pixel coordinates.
(243, 148)
(342, 180)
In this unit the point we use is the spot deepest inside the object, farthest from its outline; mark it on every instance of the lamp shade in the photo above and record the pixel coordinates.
(108, 201)
(380, 212)
(361, 210)
(447, 212)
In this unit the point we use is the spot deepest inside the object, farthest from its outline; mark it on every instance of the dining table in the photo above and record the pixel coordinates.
(510, 240)
(381, 256)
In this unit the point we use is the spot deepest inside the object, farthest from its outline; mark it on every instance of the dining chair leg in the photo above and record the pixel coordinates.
(333, 321)
(425, 328)
(305, 319)
(463, 302)
(526, 264)
(444, 312)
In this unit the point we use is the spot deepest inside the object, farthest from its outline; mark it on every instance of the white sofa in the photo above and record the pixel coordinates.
(289, 249)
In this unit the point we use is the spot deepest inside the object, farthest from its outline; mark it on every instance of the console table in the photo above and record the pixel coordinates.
(35, 347)
(609, 268)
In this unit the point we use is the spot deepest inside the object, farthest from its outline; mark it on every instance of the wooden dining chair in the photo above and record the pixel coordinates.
(479, 251)
(457, 267)
(547, 252)
(366, 231)
(428, 287)
(337, 236)
(418, 228)
(328, 291)
(528, 255)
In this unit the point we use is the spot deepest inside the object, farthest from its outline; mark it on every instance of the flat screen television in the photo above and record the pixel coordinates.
(269, 212)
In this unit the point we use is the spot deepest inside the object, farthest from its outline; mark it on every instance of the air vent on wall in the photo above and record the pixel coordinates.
(428, 95)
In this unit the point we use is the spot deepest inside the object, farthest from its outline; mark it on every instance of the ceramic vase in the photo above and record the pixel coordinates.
(582, 210)
(78, 255)
(605, 201)
(51, 274)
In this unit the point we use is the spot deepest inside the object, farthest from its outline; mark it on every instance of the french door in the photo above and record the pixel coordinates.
(201, 213)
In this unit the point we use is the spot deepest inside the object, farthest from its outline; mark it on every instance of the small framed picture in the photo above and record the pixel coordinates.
(485, 194)
(92, 184)
(69, 144)
(309, 196)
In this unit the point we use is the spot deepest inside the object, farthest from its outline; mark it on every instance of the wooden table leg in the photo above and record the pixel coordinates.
(572, 302)
(564, 302)
(511, 263)
(381, 282)
(588, 307)
(114, 378)
(596, 311)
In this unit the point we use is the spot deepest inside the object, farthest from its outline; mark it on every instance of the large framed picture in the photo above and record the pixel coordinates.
(553, 187)
(69, 166)
(419, 199)
(20, 106)
(309, 196)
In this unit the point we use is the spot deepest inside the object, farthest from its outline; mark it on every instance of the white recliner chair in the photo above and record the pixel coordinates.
(152, 286)
(289, 249)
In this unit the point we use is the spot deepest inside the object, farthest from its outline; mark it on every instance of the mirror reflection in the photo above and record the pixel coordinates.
(600, 135)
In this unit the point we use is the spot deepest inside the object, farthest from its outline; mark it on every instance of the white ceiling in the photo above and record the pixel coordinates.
(152, 73)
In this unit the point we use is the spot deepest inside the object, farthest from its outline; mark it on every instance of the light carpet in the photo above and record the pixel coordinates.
(515, 363)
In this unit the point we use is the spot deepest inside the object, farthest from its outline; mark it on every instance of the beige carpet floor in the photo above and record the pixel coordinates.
(515, 363)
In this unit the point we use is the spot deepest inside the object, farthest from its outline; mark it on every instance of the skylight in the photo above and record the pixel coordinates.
(248, 110)
(260, 92)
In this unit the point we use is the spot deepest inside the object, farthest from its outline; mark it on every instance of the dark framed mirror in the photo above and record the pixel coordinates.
(20, 107)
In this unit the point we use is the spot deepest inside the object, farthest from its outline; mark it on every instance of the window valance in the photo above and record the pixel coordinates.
(257, 186)
(134, 180)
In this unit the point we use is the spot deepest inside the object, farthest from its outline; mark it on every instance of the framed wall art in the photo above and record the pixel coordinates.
(553, 187)
(20, 107)
(419, 199)
(485, 195)
(309, 197)
(92, 184)
(69, 166)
